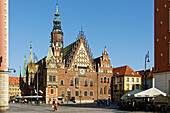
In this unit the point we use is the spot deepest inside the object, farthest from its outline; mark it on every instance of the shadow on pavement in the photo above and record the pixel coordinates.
(91, 105)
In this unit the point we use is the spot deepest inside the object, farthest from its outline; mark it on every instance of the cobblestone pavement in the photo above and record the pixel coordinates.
(75, 108)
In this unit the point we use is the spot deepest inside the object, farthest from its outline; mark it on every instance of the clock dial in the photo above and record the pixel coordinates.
(82, 71)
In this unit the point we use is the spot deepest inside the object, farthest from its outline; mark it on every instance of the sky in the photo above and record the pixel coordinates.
(125, 27)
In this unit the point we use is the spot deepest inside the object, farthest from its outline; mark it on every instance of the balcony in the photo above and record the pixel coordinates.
(104, 81)
(107, 81)
(101, 81)
(91, 85)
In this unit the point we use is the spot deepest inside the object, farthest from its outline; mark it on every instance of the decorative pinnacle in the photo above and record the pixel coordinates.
(30, 45)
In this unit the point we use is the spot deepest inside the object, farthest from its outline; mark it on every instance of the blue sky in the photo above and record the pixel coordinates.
(125, 27)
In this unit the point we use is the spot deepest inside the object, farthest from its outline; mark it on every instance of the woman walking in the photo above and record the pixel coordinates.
(56, 106)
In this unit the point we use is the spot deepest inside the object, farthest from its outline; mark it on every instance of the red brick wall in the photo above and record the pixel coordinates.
(161, 12)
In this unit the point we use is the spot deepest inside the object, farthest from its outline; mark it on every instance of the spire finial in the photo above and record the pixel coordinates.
(30, 45)
(57, 7)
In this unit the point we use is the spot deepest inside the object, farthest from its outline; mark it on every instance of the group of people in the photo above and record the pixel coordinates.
(55, 105)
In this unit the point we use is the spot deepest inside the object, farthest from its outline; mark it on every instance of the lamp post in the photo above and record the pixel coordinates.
(146, 58)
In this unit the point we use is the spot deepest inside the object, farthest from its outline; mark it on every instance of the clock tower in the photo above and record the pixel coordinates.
(57, 37)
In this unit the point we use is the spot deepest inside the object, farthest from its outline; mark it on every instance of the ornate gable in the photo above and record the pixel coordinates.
(81, 58)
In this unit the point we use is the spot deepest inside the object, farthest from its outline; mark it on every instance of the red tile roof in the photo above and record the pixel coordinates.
(124, 70)
(14, 80)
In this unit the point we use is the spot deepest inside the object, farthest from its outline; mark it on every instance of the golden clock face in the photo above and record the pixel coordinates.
(82, 71)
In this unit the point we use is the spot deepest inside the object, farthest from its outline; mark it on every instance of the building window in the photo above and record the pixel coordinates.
(85, 81)
(61, 82)
(137, 79)
(53, 78)
(91, 93)
(71, 81)
(132, 79)
(127, 87)
(85, 93)
(76, 81)
(109, 91)
(77, 93)
(101, 80)
(127, 80)
(50, 78)
(104, 90)
(108, 80)
(51, 91)
(120, 79)
(104, 79)
(91, 82)
(101, 91)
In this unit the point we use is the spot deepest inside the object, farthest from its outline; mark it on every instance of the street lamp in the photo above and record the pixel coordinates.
(146, 58)
(12, 69)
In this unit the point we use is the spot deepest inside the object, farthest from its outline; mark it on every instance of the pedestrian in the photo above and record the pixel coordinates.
(56, 106)
(53, 104)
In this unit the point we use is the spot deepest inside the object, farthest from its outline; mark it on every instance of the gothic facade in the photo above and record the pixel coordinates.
(70, 72)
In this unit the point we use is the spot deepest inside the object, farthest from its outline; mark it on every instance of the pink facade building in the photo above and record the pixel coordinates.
(4, 73)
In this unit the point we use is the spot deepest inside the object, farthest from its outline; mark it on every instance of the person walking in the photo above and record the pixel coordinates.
(56, 106)
(53, 104)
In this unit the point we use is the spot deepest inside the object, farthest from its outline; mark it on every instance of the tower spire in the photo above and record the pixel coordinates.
(57, 8)
(57, 21)
(30, 57)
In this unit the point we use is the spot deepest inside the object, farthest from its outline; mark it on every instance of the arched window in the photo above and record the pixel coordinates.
(76, 80)
(104, 90)
(108, 80)
(61, 82)
(91, 82)
(101, 91)
(85, 81)
(101, 79)
(104, 79)
(71, 81)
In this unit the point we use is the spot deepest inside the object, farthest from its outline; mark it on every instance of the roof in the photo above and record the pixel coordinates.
(124, 71)
(69, 51)
(149, 72)
(14, 80)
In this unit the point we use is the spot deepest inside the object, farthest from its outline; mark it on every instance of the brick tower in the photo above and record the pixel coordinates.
(4, 74)
(162, 44)
(57, 39)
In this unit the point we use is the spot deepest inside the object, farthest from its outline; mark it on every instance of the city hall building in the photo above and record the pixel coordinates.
(68, 73)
